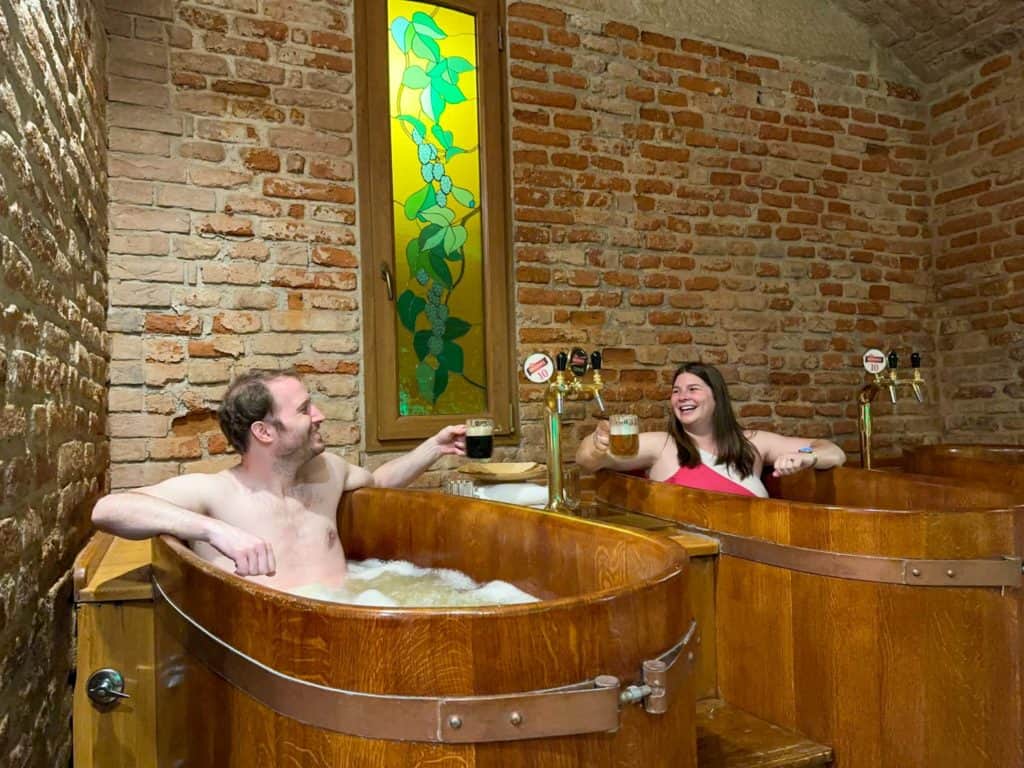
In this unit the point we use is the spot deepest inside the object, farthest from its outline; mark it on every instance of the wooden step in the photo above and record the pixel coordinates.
(730, 738)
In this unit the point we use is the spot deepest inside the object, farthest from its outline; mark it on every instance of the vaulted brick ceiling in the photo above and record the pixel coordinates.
(936, 38)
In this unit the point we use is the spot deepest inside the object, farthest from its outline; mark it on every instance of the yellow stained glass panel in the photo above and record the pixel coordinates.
(435, 175)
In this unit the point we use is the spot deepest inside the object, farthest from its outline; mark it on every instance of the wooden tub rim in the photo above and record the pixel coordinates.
(676, 556)
(810, 505)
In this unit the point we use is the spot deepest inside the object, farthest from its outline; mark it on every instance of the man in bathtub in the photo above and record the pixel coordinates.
(271, 517)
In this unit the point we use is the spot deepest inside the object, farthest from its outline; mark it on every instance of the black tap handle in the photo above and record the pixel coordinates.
(915, 359)
(561, 360)
(894, 359)
(595, 360)
(578, 361)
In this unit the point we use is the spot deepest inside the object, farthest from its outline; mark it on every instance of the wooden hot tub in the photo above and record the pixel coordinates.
(248, 676)
(893, 635)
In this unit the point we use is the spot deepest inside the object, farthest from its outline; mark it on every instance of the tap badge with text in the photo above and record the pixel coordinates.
(538, 368)
(874, 361)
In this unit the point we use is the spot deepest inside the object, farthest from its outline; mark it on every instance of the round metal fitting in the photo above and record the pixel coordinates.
(516, 718)
(106, 687)
(951, 573)
(915, 571)
(455, 722)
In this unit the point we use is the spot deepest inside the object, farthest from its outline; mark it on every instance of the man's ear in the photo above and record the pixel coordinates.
(262, 431)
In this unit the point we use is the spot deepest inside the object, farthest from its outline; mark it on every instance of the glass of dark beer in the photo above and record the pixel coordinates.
(479, 438)
(625, 434)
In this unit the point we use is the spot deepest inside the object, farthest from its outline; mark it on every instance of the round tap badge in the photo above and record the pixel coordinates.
(874, 361)
(538, 367)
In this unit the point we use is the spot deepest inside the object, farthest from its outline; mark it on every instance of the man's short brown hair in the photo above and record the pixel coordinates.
(247, 401)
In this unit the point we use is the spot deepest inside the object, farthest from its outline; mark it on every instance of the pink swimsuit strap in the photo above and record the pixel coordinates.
(704, 478)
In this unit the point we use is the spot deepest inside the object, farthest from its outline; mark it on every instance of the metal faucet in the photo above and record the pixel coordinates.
(567, 385)
(891, 382)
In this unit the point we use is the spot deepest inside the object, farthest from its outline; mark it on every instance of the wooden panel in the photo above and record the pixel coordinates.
(730, 738)
(999, 466)
(876, 489)
(122, 572)
(622, 599)
(122, 736)
(702, 598)
(888, 675)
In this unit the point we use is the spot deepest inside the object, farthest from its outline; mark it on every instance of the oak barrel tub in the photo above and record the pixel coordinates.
(1000, 466)
(893, 635)
(249, 676)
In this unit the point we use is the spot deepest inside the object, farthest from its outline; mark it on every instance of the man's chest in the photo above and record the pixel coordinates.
(304, 519)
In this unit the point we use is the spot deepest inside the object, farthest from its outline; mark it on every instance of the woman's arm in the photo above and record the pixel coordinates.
(789, 455)
(593, 452)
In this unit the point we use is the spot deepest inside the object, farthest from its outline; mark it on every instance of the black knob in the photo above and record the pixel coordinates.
(894, 359)
(595, 360)
(915, 359)
(561, 359)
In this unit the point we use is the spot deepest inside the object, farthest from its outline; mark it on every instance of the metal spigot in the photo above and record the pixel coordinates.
(595, 366)
(894, 363)
(916, 381)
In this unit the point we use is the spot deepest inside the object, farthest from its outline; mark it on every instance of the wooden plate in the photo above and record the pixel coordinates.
(534, 473)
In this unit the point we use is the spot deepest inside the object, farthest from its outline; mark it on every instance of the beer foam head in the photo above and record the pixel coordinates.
(479, 430)
(624, 428)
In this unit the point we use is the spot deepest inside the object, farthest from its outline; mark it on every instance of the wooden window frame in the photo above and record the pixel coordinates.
(385, 428)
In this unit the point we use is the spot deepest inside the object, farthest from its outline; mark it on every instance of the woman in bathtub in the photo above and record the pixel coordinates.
(705, 447)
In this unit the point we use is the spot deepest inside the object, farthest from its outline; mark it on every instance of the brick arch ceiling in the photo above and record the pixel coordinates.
(936, 38)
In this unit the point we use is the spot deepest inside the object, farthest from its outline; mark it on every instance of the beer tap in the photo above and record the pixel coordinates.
(916, 381)
(894, 363)
(558, 388)
(875, 363)
(568, 383)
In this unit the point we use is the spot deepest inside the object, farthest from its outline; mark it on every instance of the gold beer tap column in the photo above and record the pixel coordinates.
(875, 363)
(567, 385)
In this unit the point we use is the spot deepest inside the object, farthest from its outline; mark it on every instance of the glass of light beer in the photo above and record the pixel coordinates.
(479, 438)
(625, 434)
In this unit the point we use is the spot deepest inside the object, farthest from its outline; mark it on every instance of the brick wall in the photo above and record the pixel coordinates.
(53, 453)
(232, 220)
(977, 122)
(672, 199)
(677, 200)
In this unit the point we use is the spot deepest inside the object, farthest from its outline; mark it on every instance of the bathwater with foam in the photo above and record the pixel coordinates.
(397, 583)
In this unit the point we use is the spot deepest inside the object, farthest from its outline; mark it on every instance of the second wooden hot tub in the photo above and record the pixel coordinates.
(249, 676)
(876, 612)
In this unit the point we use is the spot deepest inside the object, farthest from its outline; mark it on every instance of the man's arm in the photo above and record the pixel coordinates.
(399, 472)
(179, 506)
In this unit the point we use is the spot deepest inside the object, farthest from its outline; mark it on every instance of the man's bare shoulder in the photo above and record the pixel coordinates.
(327, 468)
(198, 491)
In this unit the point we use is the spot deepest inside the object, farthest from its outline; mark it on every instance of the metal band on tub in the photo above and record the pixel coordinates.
(591, 706)
(980, 572)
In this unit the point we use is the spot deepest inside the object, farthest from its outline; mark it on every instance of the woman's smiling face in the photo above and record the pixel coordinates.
(693, 402)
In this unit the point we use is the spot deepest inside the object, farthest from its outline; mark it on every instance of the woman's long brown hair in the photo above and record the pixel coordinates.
(734, 449)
